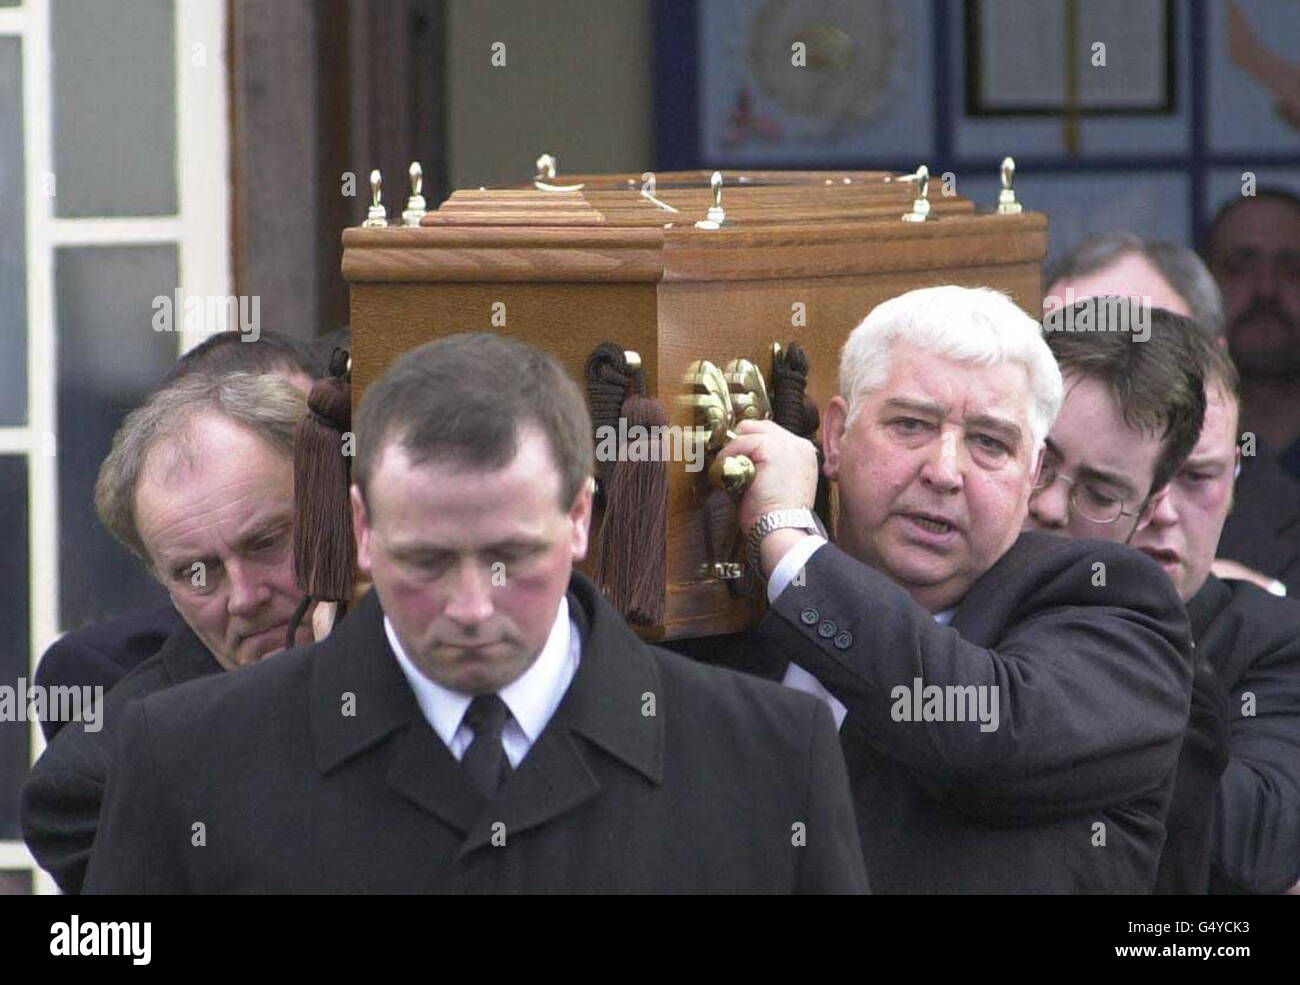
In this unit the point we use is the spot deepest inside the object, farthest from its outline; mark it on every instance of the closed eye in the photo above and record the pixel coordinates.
(1100, 497)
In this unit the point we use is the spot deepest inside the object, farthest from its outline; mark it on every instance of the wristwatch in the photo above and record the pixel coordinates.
(800, 519)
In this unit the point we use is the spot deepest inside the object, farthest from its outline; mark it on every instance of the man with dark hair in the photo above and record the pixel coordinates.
(1262, 534)
(99, 655)
(1250, 819)
(1133, 410)
(1253, 248)
(270, 352)
(1233, 823)
(483, 720)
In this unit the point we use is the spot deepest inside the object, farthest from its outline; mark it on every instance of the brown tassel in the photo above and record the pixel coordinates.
(797, 412)
(324, 553)
(609, 382)
(631, 554)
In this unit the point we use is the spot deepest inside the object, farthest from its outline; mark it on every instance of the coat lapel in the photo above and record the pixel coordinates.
(605, 706)
(356, 670)
(424, 771)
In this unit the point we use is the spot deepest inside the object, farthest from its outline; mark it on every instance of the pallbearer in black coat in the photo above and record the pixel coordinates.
(62, 797)
(1134, 408)
(1249, 817)
(199, 484)
(1252, 639)
(102, 653)
(483, 721)
(1235, 816)
(1012, 704)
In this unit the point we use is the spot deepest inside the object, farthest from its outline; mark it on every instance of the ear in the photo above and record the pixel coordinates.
(360, 528)
(580, 519)
(834, 425)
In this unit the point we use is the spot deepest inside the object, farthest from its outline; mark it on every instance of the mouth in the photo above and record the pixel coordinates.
(275, 633)
(930, 530)
(931, 522)
(471, 649)
(1162, 556)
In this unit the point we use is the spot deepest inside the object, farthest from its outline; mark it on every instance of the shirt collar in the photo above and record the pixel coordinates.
(532, 697)
(944, 617)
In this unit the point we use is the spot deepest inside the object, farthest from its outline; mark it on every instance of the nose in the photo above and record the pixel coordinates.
(942, 466)
(248, 592)
(470, 602)
(1049, 507)
(1161, 512)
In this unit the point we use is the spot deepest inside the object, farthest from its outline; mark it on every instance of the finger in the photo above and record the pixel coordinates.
(762, 426)
(750, 445)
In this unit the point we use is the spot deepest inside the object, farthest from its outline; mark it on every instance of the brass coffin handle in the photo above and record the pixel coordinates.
(723, 398)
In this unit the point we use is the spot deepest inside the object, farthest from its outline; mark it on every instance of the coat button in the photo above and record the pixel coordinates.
(810, 617)
(844, 640)
(826, 630)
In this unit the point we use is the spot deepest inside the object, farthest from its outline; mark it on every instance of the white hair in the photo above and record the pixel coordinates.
(975, 325)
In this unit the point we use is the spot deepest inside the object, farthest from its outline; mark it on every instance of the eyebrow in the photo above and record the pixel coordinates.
(514, 543)
(178, 564)
(1087, 472)
(1009, 430)
(1206, 463)
(920, 406)
(264, 526)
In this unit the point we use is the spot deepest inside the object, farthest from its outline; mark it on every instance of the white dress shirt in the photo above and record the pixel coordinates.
(532, 697)
(784, 572)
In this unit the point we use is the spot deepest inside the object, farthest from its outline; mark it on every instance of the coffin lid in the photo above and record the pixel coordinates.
(782, 224)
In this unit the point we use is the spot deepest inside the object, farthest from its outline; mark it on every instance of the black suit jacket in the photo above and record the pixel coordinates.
(654, 775)
(1185, 860)
(1094, 687)
(104, 652)
(1252, 639)
(1263, 529)
(62, 796)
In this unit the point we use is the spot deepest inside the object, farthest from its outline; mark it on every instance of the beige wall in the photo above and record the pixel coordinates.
(577, 82)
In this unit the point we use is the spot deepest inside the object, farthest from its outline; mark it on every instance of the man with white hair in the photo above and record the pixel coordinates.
(1011, 704)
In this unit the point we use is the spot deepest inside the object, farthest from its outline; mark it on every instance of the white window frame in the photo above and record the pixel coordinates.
(200, 230)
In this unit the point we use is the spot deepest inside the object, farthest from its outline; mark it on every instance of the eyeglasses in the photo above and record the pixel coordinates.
(1086, 500)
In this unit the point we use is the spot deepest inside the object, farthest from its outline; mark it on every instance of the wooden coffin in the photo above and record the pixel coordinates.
(803, 257)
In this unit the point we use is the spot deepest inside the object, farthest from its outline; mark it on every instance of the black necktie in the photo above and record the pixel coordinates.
(485, 759)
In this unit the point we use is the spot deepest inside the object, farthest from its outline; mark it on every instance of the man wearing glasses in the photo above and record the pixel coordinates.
(1132, 414)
